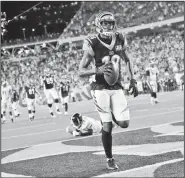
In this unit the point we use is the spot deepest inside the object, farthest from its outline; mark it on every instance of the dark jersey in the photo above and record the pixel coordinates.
(48, 82)
(64, 89)
(99, 48)
(15, 96)
(30, 92)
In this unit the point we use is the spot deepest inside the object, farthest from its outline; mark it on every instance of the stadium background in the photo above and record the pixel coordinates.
(50, 34)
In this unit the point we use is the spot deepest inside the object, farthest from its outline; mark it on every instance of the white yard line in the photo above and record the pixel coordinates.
(28, 127)
(37, 133)
(3, 174)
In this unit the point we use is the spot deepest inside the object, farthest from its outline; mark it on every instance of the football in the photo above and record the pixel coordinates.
(112, 77)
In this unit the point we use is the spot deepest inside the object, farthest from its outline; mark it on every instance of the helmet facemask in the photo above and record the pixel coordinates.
(106, 24)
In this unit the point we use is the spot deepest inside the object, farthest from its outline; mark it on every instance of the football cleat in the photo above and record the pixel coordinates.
(52, 115)
(111, 164)
(3, 121)
(17, 115)
(12, 120)
(65, 113)
(58, 111)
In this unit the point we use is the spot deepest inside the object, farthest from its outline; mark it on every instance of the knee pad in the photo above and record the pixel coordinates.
(10, 113)
(56, 100)
(33, 111)
(29, 111)
(49, 105)
(123, 124)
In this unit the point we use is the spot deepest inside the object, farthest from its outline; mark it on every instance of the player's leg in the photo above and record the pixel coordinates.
(66, 101)
(102, 103)
(154, 88)
(33, 109)
(120, 109)
(3, 114)
(29, 106)
(9, 106)
(55, 96)
(49, 101)
(14, 107)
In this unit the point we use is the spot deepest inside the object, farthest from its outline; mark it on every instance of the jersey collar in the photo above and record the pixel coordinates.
(111, 46)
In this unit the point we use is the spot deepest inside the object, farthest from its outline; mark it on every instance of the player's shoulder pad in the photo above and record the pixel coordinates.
(123, 38)
(89, 44)
(91, 40)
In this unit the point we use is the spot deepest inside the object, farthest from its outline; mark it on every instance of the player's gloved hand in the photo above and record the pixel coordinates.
(69, 130)
(104, 69)
(75, 133)
(133, 88)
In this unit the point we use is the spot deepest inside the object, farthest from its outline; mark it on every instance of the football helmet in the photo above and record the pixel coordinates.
(105, 23)
(76, 119)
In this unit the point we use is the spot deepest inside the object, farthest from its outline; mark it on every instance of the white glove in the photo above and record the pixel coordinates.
(69, 130)
(75, 133)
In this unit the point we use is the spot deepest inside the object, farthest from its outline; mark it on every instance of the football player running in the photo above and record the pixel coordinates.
(50, 92)
(6, 104)
(30, 92)
(152, 78)
(107, 49)
(64, 95)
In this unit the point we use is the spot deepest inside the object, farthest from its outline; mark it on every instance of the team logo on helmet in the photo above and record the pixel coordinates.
(105, 23)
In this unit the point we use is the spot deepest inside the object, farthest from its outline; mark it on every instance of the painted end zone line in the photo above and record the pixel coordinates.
(141, 171)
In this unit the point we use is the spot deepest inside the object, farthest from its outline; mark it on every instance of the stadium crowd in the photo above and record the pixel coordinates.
(83, 21)
(165, 48)
(139, 13)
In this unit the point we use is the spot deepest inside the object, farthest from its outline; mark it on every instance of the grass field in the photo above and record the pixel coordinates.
(152, 146)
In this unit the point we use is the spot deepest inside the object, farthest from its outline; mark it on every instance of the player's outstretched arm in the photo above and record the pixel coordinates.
(86, 133)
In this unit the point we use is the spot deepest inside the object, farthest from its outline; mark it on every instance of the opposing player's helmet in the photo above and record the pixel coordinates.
(105, 23)
(76, 119)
